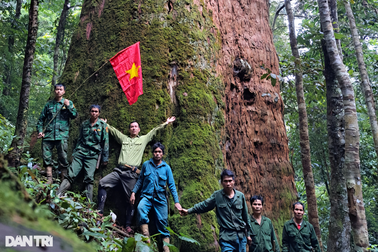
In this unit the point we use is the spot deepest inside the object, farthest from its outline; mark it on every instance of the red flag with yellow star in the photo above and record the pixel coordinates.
(127, 67)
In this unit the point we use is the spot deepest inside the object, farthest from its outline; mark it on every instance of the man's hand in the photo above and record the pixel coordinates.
(104, 120)
(171, 119)
(178, 206)
(40, 134)
(184, 212)
(132, 198)
(66, 102)
(249, 240)
(104, 163)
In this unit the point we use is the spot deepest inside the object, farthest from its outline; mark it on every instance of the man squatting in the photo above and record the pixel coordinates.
(154, 177)
(93, 141)
(57, 130)
(127, 171)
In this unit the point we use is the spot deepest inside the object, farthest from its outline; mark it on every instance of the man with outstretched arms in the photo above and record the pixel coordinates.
(264, 238)
(154, 177)
(93, 142)
(129, 160)
(298, 234)
(232, 214)
(56, 117)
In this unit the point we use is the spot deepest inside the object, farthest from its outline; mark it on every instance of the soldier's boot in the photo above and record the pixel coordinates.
(165, 248)
(63, 173)
(64, 186)
(49, 175)
(101, 198)
(89, 193)
(145, 232)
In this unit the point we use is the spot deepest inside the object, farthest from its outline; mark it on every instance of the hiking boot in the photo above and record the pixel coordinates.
(89, 193)
(64, 186)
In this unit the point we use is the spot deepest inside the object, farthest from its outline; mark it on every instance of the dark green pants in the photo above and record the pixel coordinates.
(82, 161)
(47, 150)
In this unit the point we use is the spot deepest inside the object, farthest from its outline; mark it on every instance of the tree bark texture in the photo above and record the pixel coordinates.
(201, 62)
(59, 39)
(352, 137)
(339, 222)
(308, 175)
(365, 83)
(22, 115)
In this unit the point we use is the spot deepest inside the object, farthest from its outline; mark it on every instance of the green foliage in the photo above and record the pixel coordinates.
(6, 135)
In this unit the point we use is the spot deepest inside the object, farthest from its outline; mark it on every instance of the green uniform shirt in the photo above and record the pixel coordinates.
(133, 148)
(264, 238)
(58, 129)
(303, 240)
(232, 214)
(94, 139)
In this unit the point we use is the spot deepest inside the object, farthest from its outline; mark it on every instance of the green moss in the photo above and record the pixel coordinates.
(187, 39)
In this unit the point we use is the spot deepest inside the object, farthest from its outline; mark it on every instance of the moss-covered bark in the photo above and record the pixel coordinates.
(186, 68)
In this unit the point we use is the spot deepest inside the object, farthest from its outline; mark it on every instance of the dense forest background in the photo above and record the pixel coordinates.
(14, 18)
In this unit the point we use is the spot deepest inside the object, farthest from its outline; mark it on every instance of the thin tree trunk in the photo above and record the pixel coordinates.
(59, 39)
(339, 223)
(352, 137)
(303, 128)
(8, 68)
(22, 122)
(365, 83)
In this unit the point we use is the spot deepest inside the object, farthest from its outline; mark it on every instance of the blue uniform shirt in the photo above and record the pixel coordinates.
(153, 180)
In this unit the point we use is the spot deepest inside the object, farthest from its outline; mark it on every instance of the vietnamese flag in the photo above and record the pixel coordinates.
(127, 67)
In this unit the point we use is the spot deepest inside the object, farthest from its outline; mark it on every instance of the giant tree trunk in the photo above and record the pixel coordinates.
(339, 222)
(352, 136)
(201, 64)
(22, 116)
(59, 39)
(313, 216)
(365, 83)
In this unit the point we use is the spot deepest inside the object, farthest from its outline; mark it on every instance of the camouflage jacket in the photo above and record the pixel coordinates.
(94, 139)
(58, 129)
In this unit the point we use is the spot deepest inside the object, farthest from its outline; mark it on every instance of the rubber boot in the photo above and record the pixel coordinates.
(89, 193)
(145, 232)
(64, 186)
(101, 198)
(49, 175)
(63, 173)
(165, 248)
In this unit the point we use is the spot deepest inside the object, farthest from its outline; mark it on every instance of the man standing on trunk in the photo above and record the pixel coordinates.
(264, 238)
(127, 172)
(232, 214)
(298, 234)
(93, 142)
(154, 177)
(57, 130)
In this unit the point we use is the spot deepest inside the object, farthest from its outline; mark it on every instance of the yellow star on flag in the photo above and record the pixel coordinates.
(133, 71)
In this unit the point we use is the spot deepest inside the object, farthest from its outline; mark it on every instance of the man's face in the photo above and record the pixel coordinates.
(134, 129)
(257, 206)
(94, 113)
(298, 212)
(228, 182)
(157, 154)
(59, 91)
